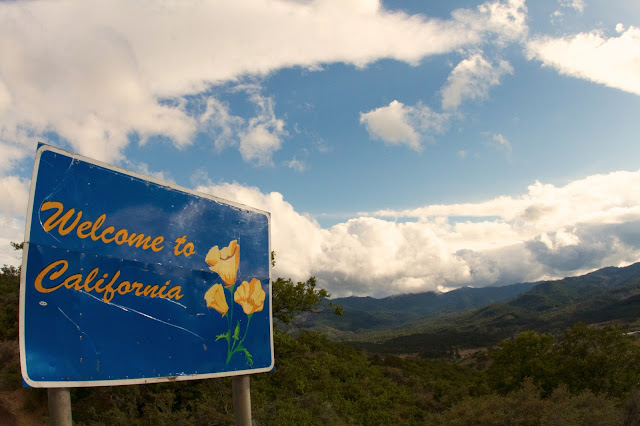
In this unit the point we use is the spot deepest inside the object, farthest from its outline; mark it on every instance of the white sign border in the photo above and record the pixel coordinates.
(136, 381)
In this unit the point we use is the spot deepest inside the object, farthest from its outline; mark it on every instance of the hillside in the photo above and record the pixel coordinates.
(319, 381)
(367, 314)
(608, 295)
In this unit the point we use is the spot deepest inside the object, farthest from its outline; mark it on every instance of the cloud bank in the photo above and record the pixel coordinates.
(549, 232)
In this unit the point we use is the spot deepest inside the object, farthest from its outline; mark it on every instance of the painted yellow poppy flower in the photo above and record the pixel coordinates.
(216, 300)
(250, 296)
(225, 262)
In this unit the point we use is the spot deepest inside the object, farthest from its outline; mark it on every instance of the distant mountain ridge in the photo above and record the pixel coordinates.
(459, 299)
(550, 305)
(608, 295)
(368, 313)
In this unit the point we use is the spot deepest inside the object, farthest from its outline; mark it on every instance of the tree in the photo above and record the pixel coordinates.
(529, 354)
(9, 298)
(599, 359)
(290, 300)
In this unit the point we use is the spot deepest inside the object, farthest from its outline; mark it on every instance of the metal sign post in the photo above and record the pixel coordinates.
(59, 406)
(241, 400)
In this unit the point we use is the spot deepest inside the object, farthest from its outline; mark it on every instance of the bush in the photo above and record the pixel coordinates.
(526, 406)
(602, 360)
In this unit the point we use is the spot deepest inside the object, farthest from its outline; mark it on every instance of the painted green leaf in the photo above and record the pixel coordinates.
(236, 334)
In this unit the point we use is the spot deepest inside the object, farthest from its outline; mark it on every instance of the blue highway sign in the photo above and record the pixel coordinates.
(127, 279)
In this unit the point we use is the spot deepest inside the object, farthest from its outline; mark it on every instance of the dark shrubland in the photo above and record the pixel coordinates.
(588, 375)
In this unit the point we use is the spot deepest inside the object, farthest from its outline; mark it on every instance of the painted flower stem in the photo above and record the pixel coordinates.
(234, 349)
(246, 330)
(230, 317)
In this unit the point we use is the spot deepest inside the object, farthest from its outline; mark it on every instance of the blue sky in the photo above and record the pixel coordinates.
(401, 146)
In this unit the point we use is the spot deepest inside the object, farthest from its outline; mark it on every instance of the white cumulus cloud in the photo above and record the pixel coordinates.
(263, 134)
(399, 124)
(14, 195)
(611, 61)
(11, 230)
(471, 79)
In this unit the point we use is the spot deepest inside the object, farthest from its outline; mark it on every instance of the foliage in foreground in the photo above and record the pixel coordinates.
(602, 360)
(525, 406)
(317, 381)
(585, 377)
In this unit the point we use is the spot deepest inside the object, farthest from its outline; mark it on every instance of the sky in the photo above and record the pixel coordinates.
(400, 146)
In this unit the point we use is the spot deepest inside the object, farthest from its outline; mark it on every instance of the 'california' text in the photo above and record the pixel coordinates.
(52, 273)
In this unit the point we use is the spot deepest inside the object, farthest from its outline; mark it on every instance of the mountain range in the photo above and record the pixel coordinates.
(368, 313)
(479, 317)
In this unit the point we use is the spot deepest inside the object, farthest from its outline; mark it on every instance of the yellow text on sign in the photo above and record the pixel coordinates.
(108, 235)
(48, 280)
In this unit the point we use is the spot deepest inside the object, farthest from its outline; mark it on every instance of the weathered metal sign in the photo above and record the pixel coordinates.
(126, 279)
